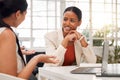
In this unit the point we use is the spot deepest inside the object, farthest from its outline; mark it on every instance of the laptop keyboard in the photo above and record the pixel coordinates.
(86, 70)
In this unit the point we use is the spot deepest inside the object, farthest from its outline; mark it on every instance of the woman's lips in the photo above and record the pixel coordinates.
(67, 28)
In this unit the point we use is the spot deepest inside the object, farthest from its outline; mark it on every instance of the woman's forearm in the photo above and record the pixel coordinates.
(28, 69)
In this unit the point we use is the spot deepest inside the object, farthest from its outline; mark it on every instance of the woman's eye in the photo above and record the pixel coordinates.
(72, 20)
(65, 19)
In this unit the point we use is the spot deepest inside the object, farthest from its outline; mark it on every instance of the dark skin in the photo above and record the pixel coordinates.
(70, 24)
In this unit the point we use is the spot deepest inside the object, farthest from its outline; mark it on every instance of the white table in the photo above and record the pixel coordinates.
(63, 73)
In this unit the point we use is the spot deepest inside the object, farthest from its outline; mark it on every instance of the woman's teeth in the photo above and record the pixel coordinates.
(67, 28)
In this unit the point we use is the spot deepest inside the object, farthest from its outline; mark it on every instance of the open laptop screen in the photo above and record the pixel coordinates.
(105, 56)
(95, 70)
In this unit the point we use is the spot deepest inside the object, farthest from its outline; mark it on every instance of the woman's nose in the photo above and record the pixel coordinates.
(67, 22)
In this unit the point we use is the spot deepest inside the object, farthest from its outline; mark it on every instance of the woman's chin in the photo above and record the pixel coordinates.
(66, 31)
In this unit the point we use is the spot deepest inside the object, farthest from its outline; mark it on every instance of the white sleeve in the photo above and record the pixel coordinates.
(52, 49)
(89, 55)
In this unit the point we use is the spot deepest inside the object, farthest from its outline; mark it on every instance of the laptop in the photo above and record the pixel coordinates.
(111, 70)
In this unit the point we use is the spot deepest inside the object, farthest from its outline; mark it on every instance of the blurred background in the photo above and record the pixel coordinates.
(100, 21)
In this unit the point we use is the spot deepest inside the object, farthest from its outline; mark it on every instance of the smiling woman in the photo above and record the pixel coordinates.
(69, 45)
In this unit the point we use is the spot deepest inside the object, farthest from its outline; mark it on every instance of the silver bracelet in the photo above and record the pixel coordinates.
(81, 38)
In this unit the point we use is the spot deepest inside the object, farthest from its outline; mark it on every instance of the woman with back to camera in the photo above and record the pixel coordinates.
(67, 44)
(12, 13)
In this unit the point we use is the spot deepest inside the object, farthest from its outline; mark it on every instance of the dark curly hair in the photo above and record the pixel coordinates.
(76, 10)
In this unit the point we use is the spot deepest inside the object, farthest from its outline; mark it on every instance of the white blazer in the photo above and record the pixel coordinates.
(53, 47)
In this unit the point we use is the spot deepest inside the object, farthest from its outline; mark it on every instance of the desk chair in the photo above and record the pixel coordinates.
(9, 77)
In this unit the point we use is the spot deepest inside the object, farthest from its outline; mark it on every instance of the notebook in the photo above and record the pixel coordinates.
(111, 70)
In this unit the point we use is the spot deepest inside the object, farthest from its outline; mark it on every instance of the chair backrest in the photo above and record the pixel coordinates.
(9, 77)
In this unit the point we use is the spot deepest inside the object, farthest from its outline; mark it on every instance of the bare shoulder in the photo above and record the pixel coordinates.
(7, 34)
(8, 52)
(7, 40)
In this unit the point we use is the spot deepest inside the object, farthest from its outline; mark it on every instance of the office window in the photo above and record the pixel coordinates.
(101, 20)
(42, 16)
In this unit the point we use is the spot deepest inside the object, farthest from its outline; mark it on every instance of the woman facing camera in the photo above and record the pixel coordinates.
(67, 44)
